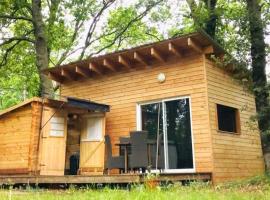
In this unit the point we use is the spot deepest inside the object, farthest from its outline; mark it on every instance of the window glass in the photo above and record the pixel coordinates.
(57, 126)
(227, 118)
(94, 129)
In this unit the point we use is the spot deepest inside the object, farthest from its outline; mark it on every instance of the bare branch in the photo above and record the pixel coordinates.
(10, 40)
(12, 17)
(137, 18)
(93, 25)
(7, 52)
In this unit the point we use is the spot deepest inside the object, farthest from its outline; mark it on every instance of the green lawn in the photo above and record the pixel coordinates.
(257, 188)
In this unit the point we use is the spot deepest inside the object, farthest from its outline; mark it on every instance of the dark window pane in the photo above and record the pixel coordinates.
(179, 134)
(150, 119)
(226, 118)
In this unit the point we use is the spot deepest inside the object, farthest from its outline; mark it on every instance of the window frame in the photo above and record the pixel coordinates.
(84, 135)
(237, 120)
(139, 128)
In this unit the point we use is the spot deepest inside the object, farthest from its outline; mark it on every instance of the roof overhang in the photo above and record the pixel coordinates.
(141, 56)
(69, 103)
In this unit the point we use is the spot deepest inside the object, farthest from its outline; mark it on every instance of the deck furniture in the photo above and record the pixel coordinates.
(124, 140)
(125, 147)
(112, 162)
(138, 157)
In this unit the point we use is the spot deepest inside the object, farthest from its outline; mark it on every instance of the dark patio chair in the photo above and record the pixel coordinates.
(112, 162)
(138, 157)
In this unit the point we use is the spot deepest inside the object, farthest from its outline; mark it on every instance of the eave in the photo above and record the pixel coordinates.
(139, 57)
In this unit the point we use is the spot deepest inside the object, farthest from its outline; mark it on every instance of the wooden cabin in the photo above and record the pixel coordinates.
(39, 136)
(173, 88)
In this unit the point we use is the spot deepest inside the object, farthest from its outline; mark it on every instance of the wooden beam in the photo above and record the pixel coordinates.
(175, 50)
(93, 67)
(155, 53)
(194, 46)
(83, 71)
(65, 73)
(109, 65)
(208, 49)
(140, 58)
(55, 77)
(124, 61)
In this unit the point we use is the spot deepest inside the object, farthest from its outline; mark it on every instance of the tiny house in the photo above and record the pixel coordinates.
(39, 136)
(171, 88)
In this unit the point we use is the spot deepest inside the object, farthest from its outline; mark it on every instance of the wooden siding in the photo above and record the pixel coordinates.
(35, 137)
(122, 91)
(15, 133)
(235, 155)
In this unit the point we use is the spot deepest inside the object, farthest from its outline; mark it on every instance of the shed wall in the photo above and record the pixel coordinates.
(15, 134)
(235, 155)
(122, 91)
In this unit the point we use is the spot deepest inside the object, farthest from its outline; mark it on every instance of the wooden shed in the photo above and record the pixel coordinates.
(39, 136)
(171, 88)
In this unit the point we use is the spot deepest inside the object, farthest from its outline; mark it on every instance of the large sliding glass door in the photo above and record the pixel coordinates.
(169, 123)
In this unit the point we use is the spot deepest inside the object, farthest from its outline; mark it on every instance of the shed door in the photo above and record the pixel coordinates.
(53, 143)
(92, 147)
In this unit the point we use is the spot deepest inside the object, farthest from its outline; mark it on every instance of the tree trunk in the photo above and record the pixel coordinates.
(210, 25)
(258, 54)
(41, 46)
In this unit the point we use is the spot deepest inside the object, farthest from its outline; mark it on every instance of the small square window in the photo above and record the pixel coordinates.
(228, 119)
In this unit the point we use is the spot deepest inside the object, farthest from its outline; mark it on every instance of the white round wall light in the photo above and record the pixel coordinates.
(161, 78)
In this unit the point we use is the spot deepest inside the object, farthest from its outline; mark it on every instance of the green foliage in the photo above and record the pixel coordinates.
(19, 78)
(137, 32)
(254, 189)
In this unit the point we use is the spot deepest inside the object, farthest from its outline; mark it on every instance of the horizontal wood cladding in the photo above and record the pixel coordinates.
(235, 155)
(15, 133)
(123, 90)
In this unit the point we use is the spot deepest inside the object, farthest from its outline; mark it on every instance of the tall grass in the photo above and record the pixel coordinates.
(257, 188)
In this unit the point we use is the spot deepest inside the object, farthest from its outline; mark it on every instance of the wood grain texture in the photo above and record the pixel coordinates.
(52, 149)
(92, 153)
(122, 91)
(235, 156)
(15, 138)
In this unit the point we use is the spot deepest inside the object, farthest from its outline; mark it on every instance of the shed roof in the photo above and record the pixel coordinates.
(68, 102)
(141, 56)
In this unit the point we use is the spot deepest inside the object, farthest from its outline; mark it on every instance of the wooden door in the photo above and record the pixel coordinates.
(92, 147)
(53, 142)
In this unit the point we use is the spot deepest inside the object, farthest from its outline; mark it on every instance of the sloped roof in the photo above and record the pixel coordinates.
(69, 102)
(145, 55)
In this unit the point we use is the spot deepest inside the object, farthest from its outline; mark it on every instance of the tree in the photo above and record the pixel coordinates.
(209, 22)
(258, 54)
(54, 29)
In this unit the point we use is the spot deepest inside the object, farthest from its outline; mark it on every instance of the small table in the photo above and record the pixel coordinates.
(125, 145)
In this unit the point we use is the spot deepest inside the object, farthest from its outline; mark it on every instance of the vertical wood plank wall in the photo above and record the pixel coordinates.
(235, 155)
(122, 91)
(15, 133)
(35, 137)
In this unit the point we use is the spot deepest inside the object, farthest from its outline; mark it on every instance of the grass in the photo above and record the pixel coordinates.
(255, 188)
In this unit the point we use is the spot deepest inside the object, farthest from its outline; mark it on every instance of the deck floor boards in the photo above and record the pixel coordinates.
(95, 179)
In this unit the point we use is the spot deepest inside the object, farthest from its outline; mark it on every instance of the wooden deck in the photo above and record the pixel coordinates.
(103, 179)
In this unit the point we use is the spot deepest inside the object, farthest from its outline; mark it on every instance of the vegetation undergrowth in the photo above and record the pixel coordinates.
(254, 188)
